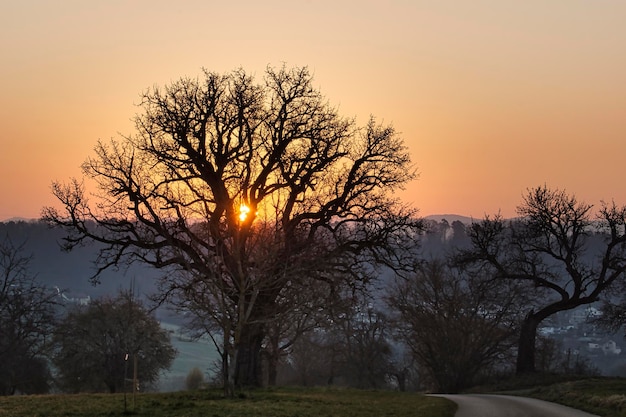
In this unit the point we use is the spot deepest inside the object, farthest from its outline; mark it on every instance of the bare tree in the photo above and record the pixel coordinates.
(350, 347)
(297, 311)
(613, 318)
(565, 255)
(97, 346)
(244, 188)
(458, 325)
(27, 316)
(310, 362)
(366, 352)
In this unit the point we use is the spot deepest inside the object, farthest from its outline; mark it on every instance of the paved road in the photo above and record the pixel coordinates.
(479, 405)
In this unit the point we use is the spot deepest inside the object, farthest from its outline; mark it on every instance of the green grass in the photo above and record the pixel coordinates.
(602, 396)
(284, 402)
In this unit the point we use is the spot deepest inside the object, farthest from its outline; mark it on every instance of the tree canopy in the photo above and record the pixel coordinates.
(459, 325)
(246, 192)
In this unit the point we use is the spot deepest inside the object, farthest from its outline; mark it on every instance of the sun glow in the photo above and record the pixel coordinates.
(243, 212)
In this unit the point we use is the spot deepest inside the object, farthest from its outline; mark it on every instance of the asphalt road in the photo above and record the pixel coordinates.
(479, 405)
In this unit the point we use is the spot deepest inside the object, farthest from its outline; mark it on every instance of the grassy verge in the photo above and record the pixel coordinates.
(266, 403)
(597, 395)
(602, 396)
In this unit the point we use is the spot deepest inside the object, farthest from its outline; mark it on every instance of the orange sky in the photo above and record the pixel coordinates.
(491, 96)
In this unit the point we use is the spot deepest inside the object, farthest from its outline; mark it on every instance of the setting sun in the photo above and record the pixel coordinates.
(243, 212)
(481, 91)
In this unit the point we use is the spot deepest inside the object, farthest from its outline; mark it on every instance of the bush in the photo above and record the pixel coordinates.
(194, 380)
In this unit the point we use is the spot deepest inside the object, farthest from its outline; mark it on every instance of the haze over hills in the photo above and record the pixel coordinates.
(72, 270)
(451, 218)
(437, 217)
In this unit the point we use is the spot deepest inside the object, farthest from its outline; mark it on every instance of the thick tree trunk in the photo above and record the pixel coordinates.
(227, 382)
(272, 370)
(526, 346)
(248, 369)
(272, 357)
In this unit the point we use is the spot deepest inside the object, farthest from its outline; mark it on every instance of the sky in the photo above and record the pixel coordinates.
(492, 97)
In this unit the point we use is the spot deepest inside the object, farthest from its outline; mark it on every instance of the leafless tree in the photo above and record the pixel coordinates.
(352, 347)
(613, 318)
(27, 317)
(458, 325)
(242, 189)
(366, 338)
(298, 310)
(567, 256)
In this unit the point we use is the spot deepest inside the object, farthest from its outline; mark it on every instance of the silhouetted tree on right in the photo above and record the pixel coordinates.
(567, 256)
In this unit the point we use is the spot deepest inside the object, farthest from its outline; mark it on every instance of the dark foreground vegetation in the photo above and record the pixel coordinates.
(266, 403)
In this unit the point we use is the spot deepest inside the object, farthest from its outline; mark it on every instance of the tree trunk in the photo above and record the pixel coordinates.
(227, 382)
(401, 380)
(248, 370)
(272, 369)
(272, 357)
(526, 346)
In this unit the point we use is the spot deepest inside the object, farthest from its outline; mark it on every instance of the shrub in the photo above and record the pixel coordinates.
(194, 380)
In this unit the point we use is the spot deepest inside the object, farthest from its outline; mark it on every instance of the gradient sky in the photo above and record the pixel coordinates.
(491, 96)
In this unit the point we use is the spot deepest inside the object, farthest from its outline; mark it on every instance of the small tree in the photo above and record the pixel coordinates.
(27, 312)
(456, 324)
(97, 346)
(565, 256)
(310, 361)
(365, 354)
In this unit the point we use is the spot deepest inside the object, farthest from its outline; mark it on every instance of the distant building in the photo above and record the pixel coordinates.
(607, 347)
(74, 298)
(584, 314)
(611, 348)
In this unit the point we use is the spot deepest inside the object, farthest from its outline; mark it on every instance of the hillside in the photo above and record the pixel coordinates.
(451, 218)
(71, 271)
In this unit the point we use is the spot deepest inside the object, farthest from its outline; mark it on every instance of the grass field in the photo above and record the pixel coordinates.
(285, 402)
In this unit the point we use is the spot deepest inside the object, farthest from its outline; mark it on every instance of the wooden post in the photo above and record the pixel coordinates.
(134, 378)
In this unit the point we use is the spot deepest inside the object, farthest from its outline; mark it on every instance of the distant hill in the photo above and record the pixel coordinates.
(71, 271)
(18, 219)
(437, 217)
(451, 218)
